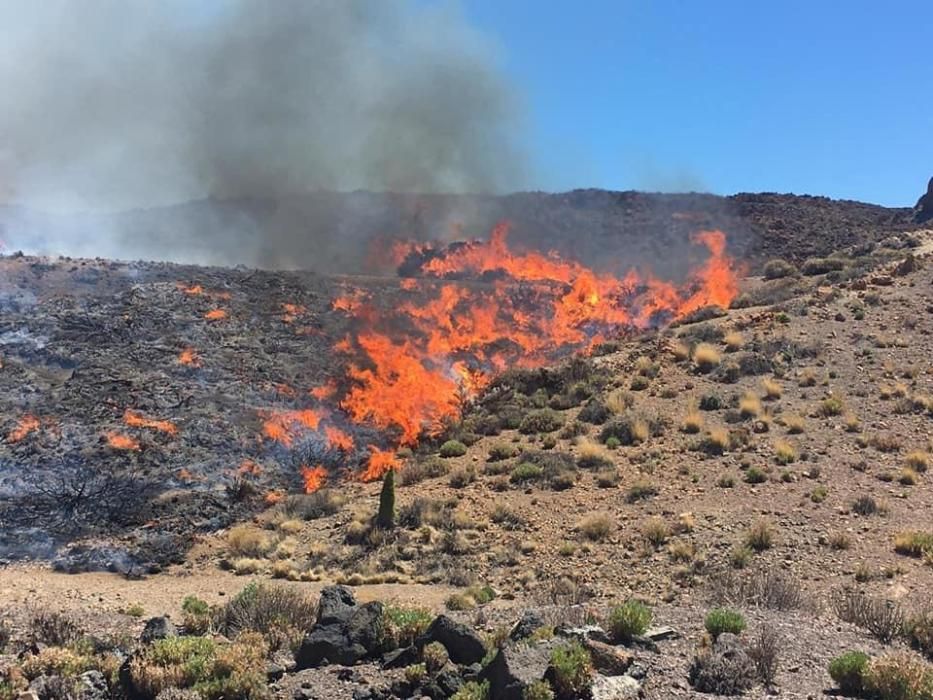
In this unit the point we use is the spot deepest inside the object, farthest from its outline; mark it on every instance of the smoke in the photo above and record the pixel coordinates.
(122, 103)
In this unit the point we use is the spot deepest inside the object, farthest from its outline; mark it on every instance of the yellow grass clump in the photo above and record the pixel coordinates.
(733, 341)
(246, 541)
(784, 452)
(706, 357)
(773, 389)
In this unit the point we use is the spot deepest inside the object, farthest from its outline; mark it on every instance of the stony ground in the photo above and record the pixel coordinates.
(789, 437)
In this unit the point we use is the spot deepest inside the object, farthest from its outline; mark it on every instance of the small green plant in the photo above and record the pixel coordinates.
(538, 690)
(415, 673)
(847, 670)
(740, 557)
(453, 448)
(629, 620)
(435, 657)
(196, 615)
(831, 407)
(722, 620)
(472, 691)
(754, 475)
(572, 670)
(401, 625)
(818, 494)
(135, 610)
(525, 472)
(545, 420)
(613, 443)
(502, 451)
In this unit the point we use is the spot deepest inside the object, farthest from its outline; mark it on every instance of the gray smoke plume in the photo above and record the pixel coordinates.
(114, 104)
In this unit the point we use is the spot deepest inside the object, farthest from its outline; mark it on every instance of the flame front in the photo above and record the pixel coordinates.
(461, 314)
(314, 478)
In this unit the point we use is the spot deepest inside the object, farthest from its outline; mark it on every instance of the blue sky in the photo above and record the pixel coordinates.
(819, 97)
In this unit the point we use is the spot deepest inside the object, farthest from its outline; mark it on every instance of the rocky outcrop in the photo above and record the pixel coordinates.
(463, 644)
(923, 212)
(157, 628)
(516, 666)
(344, 633)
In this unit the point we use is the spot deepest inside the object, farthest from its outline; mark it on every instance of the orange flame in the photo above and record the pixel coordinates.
(138, 420)
(281, 426)
(189, 357)
(273, 497)
(191, 290)
(337, 439)
(24, 426)
(119, 441)
(314, 478)
(292, 312)
(215, 315)
(249, 467)
(380, 461)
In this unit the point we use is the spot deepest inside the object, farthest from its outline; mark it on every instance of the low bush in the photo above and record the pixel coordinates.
(525, 472)
(453, 448)
(884, 619)
(402, 625)
(764, 651)
(898, 676)
(628, 620)
(722, 620)
(760, 536)
(281, 615)
(595, 527)
(545, 420)
(416, 472)
(847, 671)
(571, 670)
(502, 451)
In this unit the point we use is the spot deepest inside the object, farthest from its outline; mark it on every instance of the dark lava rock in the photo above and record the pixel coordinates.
(608, 659)
(531, 621)
(514, 667)
(924, 208)
(335, 605)
(463, 644)
(400, 658)
(345, 632)
(93, 686)
(157, 628)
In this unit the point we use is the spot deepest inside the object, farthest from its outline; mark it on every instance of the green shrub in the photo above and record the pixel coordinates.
(453, 448)
(538, 690)
(196, 615)
(722, 620)
(501, 451)
(545, 420)
(402, 624)
(572, 670)
(280, 614)
(754, 475)
(847, 671)
(435, 657)
(472, 691)
(631, 619)
(710, 402)
(640, 491)
(777, 269)
(524, 472)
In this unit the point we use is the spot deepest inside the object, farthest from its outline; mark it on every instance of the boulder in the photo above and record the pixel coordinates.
(93, 686)
(463, 644)
(157, 628)
(924, 209)
(335, 604)
(514, 667)
(530, 622)
(615, 688)
(348, 636)
(608, 659)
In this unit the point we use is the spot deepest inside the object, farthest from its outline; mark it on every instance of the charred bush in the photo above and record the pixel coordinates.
(78, 494)
(884, 619)
(53, 628)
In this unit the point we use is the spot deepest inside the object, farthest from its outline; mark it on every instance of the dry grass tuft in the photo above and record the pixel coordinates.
(773, 389)
(795, 424)
(693, 421)
(246, 541)
(918, 460)
(595, 527)
(733, 341)
(706, 357)
(750, 406)
(784, 452)
(619, 401)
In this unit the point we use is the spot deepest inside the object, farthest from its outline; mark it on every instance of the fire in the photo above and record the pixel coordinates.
(215, 315)
(273, 497)
(380, 461)
(137, 420)
(314, 478)
(24, 426)
(281, 426)
(337, 439)
(189, 357)
(119, 441)
(463, 313)
(249, 467)
(290, 312)
(191, 290)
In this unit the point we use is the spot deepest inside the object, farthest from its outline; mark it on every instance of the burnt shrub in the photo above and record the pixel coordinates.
(724, 670)
(884, 619)
(54, 629)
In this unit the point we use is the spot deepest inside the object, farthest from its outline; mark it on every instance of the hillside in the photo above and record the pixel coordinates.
(773, 458)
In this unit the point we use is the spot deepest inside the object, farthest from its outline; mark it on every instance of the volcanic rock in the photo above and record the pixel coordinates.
(607, 659)
(345, 632)
(514, 667)
(530, 621)
(924, 208)
(464, 646)
(615, 688)
(157, 628)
